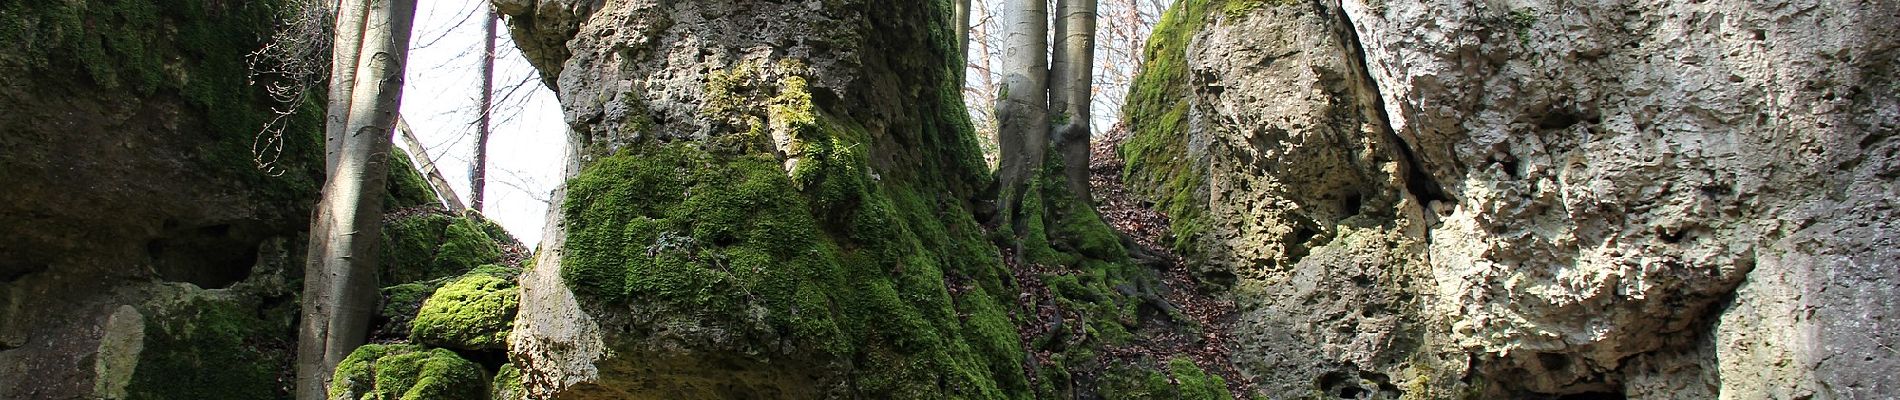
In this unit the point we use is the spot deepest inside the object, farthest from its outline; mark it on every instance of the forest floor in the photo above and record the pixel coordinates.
(1210, 317)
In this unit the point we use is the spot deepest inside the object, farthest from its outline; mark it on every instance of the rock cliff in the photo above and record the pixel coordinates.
(782, 200)
(1641, 199)
(144, 253)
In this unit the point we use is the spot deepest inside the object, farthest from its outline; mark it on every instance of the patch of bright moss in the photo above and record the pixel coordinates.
(508, 384)
(1197, 384)
(210, 349)
(471, 313)
(406, 372)
(401, 303)
(825, 257)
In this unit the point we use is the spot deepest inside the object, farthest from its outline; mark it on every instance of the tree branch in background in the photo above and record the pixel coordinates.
(478, 171)
(295, 60)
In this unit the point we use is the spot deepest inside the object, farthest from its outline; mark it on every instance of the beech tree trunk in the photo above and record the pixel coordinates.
(348, 39)
(1073, 73)
(962, 19)
(478, 171)
(340, 276)
(1022, 115)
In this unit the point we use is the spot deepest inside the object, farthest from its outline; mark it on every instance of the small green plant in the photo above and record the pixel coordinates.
(1522, 21)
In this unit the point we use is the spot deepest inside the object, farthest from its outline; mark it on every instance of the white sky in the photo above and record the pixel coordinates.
(524, 162)
(440, 102)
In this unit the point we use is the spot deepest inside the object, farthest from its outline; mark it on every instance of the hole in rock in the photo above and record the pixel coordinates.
(1593, 396)
(213, 256)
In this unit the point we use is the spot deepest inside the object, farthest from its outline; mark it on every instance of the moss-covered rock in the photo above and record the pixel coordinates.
(406, 187)
(431, 245)
(407, 372)
(1160, 164)
(1195, 383)
(472, 313)
(402, 303)
(206, 346)
(507, 385)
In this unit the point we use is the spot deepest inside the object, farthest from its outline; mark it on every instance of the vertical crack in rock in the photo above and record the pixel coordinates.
(1418, 180)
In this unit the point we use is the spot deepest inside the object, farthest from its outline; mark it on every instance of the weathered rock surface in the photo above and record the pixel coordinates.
(1647, 199)
(142, 253)
(744, 216)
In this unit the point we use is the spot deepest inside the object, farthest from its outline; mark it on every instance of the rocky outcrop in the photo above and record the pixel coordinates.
(142, 252)
(751, 208)
(780, 200)
(1446, 198)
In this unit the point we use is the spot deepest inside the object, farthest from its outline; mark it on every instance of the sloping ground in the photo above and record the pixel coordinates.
(1471, 199)
(1211, 343)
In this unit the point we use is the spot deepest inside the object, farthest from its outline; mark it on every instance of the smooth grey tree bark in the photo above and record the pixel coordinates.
(478, 171)
(340, 285)
(1022, 115)
(1071, 87)
(348, 39)
(962, 19)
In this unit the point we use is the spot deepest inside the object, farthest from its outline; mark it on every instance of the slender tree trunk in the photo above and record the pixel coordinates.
(340, 275)
(478, 172)
(962, 19)
(1073, 73)
(343, 50)
(420, 155)
(1022, 115)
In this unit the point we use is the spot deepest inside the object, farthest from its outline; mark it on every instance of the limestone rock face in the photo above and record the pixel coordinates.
(143, 254)
(745, 211)
(1465, 198)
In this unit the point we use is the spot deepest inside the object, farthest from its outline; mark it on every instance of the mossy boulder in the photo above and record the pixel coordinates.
(1161, 163)
(406, 188)
(507, 385)
(402, 303)
(208, 346)
(407, 372)
(472, 313)
(432, 244)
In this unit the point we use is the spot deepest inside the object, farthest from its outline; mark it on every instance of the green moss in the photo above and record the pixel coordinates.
(857, 250)
(160, 50)
(406, 186)
(434, 245)
(1158, 165)
(471, 313)
(401, 303)
(1521, 21)
(406, 372)
(1240, 8)
(508, 384)
(208, 348)
(1197, 384)
(845, 267)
